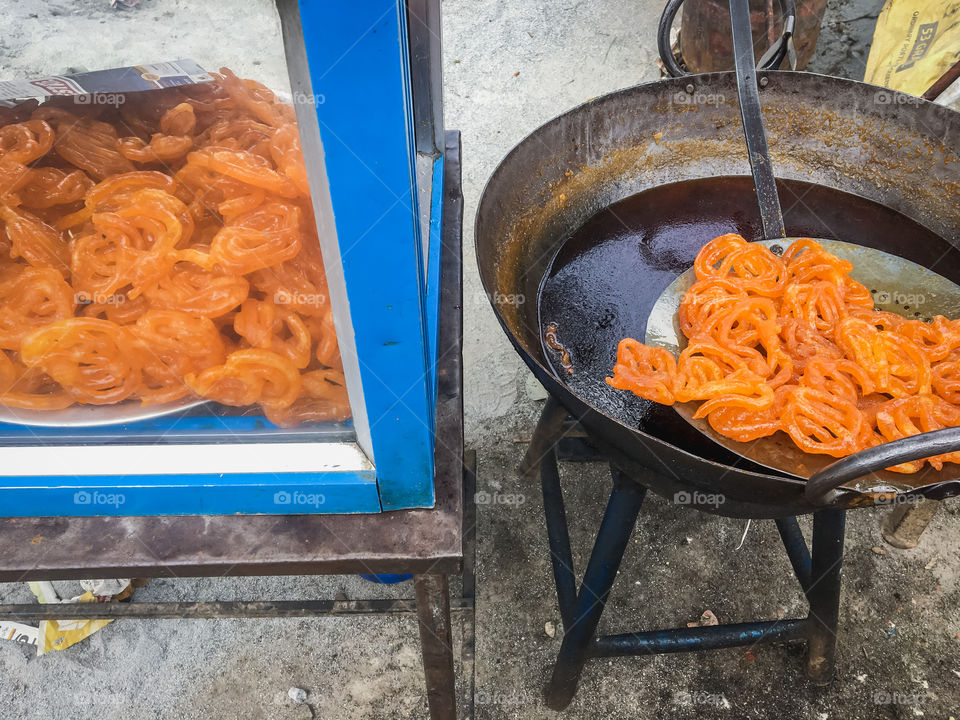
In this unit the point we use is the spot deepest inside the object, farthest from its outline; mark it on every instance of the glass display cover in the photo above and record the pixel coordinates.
(158, 249)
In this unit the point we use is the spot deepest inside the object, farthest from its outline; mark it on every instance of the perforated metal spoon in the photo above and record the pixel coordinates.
(874, 268)
(877, 270)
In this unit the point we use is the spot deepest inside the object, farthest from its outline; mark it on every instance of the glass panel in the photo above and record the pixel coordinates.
(160, 268)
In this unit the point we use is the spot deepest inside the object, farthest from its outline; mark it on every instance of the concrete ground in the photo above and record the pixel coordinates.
(509, 66)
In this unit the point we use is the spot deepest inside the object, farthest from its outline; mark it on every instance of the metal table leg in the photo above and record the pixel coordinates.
(436, 645)
(468, 621)
(824, 593)
(615, 530)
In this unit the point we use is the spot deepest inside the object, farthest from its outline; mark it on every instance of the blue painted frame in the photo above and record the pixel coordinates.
(359, 62)
(222, 494)
(433, 276)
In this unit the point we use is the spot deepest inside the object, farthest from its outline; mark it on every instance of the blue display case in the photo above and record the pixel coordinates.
(367, 77)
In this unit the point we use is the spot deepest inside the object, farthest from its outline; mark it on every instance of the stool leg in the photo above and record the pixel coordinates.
(436, 645)
(547, 434)
(542, 455)
(824, 594)
(612, 538)
(558, 536)
(796, 548)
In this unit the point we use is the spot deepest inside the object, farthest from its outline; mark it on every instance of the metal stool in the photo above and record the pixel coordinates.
(581, 609)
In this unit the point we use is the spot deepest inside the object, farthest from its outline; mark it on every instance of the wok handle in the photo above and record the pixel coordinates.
(770, 61)
(758, 152)
(821, 486)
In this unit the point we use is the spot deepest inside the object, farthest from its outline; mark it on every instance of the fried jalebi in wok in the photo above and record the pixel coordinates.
(164, 249)
(794, 345)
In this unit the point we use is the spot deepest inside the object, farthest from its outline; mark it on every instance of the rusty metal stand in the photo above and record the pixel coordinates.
(436, 643)
(824, 594)
(818, 573)
(469, 581)
(432, 606)
(431, 543)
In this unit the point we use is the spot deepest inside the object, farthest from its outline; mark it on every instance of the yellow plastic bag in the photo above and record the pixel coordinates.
(915, 43)
(61, 634)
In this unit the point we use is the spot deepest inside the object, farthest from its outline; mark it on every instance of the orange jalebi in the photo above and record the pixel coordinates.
(163, 249)
(26, 141)
(31, 298)
(750, 267)
(96, 361)
(46, 187)
(133, 247)
(33, 240)
(912, 415)
(247, 377)
(90, 145)
(650, 372)
(29, 388)
(256, 239)
(793, 344)
(321, 398)
(946, 379)
(194, 290)
(746, 424)
(175, 344)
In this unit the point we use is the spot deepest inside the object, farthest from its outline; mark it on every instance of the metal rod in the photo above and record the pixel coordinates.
(945, 81)
(824, 594)
(612, 538)
(229, 609)
(468, 636)
(426, 81)
(550, 428)
(469, 523)
(796, 548)
(436, 645)
(558, 537)
(757, 150)
(676, 640)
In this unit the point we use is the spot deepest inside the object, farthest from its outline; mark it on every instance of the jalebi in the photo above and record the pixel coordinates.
(164, 249)
(794, 344)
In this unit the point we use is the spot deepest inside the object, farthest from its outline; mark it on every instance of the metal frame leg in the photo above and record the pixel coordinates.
(818, 573)
(796, 548)
(612, 538)
(558, 536)
(824, 594)
(541, 457)
(436, 645)
(468, 635)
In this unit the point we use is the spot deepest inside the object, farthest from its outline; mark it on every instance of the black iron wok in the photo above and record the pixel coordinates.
(593, 214)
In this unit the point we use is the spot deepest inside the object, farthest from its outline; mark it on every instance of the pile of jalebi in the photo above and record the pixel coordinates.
(793, 344)
(163, 248)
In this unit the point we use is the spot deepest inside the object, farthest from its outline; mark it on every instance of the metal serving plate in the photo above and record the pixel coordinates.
(898, 286)
(95, 415)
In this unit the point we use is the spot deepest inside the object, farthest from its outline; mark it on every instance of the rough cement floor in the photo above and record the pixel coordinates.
(899, 651)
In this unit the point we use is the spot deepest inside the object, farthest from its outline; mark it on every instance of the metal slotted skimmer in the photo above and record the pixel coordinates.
(925, 294)
(921, 293)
